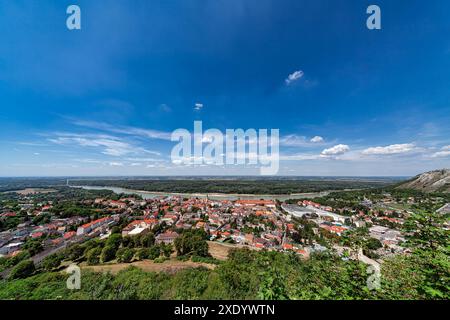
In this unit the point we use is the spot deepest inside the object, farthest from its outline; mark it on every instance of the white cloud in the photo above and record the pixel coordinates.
(198, 106)
(300, 157)
(116, 164)
(445, 152)
(441, 154)
(136, 164)
(335, 151)
(148, 133)
(293, 140)
(294, 77)
(391, 149)
(317, 139)
(144, 159)
(109, 145)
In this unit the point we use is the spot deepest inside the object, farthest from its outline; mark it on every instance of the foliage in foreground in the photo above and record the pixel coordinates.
(248, 275)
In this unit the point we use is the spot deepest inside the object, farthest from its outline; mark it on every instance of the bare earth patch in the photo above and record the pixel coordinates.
(29, 191)
(169, 266)
(220, 250)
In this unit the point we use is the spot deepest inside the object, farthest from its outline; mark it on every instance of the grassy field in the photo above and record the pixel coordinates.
(220, 250)
(217, 250)
(169, 266)
(28, 191)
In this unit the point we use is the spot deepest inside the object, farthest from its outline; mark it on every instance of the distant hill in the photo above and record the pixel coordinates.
(433, 181)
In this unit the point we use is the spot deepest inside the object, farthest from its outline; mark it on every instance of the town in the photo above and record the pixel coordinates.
(301, 227)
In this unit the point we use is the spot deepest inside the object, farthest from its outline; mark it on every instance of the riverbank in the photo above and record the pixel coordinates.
(212, 196)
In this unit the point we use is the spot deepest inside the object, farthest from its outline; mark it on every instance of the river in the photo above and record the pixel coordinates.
(212, 196)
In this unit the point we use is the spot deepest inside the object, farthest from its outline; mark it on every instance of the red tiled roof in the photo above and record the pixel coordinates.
(87, 225)
(256, 202)
(37, 235)
(69, 234)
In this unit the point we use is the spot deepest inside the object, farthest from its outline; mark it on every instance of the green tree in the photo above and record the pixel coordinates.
(148, 240)
(430, 241)
(426, 230)
(75, 252)
(93, 256)
(34, 246)
(108, 253)
(191, 242)
(373, 244)
(23, 270)
(166, 249)
(125, 255)
(52, 261)
(142, 253)
(114, 240)
(116, 230)
(154, 252)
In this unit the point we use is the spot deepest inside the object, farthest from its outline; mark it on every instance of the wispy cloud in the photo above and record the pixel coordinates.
(293, 140)
(444, 152)
(116, 164)
(198, 106)
(108, 145)
(390, 149)
(164, 108)
(148, 133)
(296, 75)
(300, 157)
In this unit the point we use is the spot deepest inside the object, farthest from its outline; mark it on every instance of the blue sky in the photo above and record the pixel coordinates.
(104, 100)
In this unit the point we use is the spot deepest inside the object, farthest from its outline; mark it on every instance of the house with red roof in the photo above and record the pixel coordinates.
(37, 235)
(88, 227)
(69, 235)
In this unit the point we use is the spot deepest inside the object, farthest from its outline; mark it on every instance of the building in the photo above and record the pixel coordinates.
(167, 237)
(69, 235)
(9, 248)
(88, 227)
(138, 226)
(333, 229)
(252, 203)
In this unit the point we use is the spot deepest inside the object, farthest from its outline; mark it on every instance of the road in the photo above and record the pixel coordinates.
(37, 259)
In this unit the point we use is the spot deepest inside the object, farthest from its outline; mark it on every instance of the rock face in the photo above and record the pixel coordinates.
(433, 181)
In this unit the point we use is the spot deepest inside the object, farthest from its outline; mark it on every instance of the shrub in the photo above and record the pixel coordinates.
(52, 261)
(125, 255)
(160, 259)
(114, 240)
(108, 253)
(74, 252)
(191, 242)
(23, 270)
(147, 240)
(93, 256)
(154, 252)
